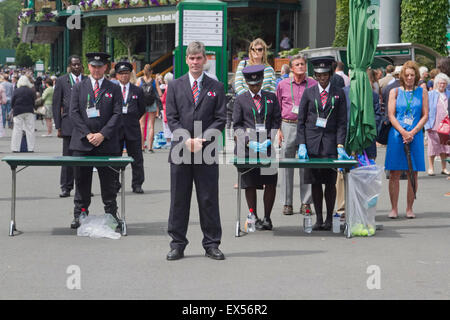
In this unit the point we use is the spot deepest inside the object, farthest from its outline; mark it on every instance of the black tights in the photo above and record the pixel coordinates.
(330, 198)
(269, 199)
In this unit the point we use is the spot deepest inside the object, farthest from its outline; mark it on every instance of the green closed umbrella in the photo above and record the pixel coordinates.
(362, 42)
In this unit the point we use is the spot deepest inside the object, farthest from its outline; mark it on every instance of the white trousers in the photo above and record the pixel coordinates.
(23, 122)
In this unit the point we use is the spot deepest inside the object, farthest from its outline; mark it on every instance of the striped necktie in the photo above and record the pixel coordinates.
(96, 89)
(195, 91)
(323, 98)
(77, 80)
(124, 93)
(257, 101)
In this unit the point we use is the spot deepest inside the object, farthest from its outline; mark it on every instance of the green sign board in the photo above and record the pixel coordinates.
(124, 20)
(393, 52)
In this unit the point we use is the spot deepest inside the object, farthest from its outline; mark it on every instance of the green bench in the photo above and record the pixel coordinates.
(27, 161)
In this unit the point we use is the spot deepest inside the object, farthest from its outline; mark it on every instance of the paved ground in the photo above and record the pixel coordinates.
(411, 257)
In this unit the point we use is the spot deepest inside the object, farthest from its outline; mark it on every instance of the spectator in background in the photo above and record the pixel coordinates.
(47, 99)
(167, 133)
(340, 71)
(438, 102)
(6, 106)
(257, 53)
(383, 82)
(285, 43)
(408, 113)
(372, 74)
(112, 76)
(430, 83)
(395, 83)
(336, 80)
(22, 104)
(285, 70)
(2, 103)
(444, 66)
(423, 77)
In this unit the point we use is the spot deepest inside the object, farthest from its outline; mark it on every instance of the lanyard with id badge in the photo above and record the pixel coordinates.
(260, 127)
(322, 122)
(92, 111)
(295, 107)
(408, 118)
(125, 105)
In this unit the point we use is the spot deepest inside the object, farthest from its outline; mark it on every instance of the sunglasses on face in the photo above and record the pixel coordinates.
(258, 49)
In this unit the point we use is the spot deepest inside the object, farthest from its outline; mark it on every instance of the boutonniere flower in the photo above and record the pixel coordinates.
(211, 93)
(269, 101)
(108, 95)
(134, 97)
(336, 97)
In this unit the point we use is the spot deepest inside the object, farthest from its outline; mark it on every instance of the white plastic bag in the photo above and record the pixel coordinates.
(364, 187)
(98, 227)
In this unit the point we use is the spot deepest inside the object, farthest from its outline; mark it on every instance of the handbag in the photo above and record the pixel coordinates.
(444, 131)
(383, 134)
(41, 111)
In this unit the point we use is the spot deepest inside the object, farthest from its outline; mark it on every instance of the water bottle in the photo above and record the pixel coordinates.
(83, 215)
(336, 223)
(307, 221)
(251, 221)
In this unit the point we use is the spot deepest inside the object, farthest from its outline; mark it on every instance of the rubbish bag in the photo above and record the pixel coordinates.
(364, 187)
(103, 226)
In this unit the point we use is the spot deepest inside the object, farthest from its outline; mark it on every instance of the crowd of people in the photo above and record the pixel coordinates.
(101, 114)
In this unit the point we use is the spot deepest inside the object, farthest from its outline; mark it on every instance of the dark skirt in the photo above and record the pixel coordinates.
(322, 175)
(254, 179)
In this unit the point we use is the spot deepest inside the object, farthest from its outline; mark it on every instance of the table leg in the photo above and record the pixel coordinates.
(347, 230)
(122, 202)
(238, 219)
(12, 224)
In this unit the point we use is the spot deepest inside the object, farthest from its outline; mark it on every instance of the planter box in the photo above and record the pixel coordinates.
(279, 63)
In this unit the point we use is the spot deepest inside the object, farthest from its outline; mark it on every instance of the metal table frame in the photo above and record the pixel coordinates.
(104, 161)
(251, 164)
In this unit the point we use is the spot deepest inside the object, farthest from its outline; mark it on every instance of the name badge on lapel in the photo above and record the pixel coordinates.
(125, 109)
(93, 112)
(321, 122)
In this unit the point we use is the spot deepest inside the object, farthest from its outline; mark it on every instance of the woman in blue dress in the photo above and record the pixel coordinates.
(408, 113)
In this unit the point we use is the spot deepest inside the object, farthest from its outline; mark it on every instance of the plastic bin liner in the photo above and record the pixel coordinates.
(364, 187)
(103, 226)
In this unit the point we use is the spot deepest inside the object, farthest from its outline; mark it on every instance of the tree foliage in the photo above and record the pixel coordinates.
(9, 10)
(342, 22)
(93, 33)
(425, 23)
(127, 36)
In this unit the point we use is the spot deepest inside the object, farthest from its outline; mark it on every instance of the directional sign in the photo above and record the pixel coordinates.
(204, 26)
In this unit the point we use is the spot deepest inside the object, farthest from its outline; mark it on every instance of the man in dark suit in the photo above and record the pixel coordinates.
(192, 100)
(321, 132)
(61, 105)
(395, 83)
(95, 112)
(133, 107)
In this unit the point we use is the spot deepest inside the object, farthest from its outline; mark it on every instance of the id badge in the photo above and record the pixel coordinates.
(321, 122)
(408, 121)
(125, 109)
(294, 109)
(260, 127)
(93, 113)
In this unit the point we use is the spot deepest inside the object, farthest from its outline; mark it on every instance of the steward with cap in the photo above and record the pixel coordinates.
(133, 108)
(95, 112)
(321, 131)
(256, 120)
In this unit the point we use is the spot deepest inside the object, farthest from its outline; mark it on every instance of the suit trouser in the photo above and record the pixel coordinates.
(25, 122)
(206, 179)
(289, 150)
(66, 178)
(83, 185)
(134, 150)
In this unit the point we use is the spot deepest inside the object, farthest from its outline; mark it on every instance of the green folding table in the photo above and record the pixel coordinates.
(252, 163)
(28, 161)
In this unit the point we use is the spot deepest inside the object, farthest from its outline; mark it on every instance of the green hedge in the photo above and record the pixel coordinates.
(342, 21)
(425, 24)
(93, 33)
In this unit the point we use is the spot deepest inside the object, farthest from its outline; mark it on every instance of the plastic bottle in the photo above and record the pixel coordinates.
(307, 221)
(83, 215)
(336, 223)
(251, 221)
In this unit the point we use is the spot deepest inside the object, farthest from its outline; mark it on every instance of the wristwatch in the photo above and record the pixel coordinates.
(340, 146)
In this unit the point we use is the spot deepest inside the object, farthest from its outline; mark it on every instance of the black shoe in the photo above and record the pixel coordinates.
(327, 226)
(138, 190)
(64, 194)
(318, 226)
(267, 224)
(75, 223)
(175, 254)
(214, 253)
(258, 224)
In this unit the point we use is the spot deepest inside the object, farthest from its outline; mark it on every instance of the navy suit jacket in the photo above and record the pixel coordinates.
(110, 107)
(334, 133)
(61, 104)
(130, 127)
(181, 110)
